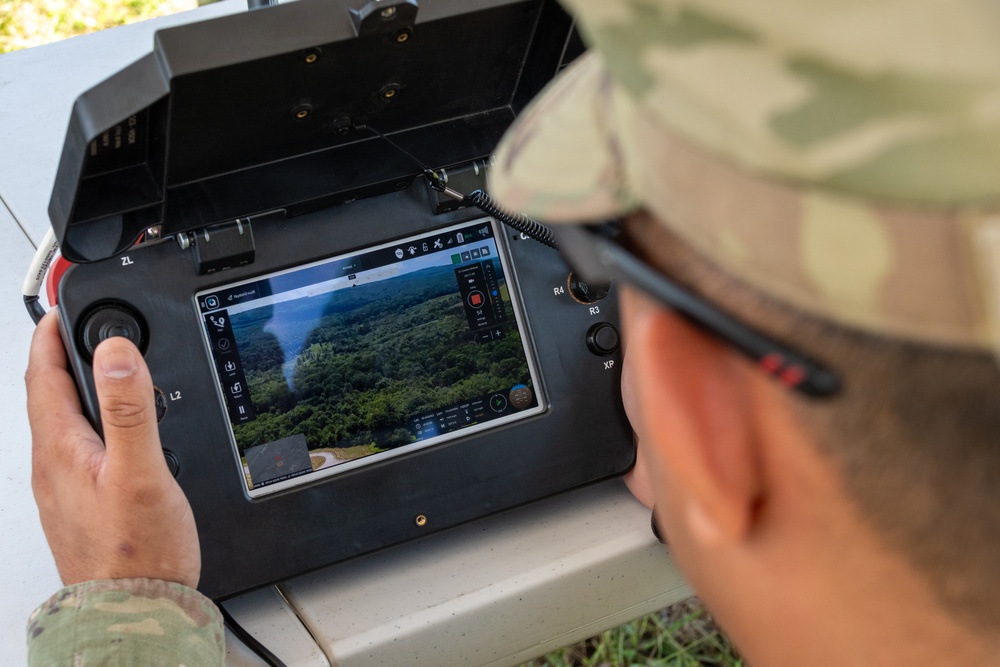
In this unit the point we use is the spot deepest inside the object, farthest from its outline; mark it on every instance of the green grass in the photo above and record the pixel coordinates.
(25, 23)
(683, 635)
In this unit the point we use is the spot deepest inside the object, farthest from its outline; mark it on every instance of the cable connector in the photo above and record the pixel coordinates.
(477, 198)
(481, 200)
(35, 278)
(438, 183)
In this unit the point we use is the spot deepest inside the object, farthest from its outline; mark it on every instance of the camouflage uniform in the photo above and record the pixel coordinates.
(126, 622)
(841, 156)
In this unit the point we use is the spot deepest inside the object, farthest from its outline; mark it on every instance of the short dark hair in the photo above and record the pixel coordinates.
(915, 432)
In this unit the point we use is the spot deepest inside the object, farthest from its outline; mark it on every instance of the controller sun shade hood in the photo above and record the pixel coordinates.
(278, 108)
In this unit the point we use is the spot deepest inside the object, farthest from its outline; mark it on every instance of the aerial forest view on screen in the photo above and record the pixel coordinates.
(371, 357)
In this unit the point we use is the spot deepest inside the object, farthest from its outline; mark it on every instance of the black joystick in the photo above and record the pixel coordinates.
(108, 320)
(587, 292)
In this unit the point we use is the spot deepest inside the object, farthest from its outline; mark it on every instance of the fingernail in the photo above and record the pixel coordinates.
(117, 363)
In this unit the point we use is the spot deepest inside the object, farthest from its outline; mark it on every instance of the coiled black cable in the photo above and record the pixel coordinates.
(478, 198)
(520, 222)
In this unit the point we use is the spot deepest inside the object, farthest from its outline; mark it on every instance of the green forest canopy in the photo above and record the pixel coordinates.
(380, 354)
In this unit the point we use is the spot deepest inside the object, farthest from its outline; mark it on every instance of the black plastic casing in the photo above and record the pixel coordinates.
(278, 108)
(582, 437)
(217, 141)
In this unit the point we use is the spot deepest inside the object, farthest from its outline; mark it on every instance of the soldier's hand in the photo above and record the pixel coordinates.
(108, 512)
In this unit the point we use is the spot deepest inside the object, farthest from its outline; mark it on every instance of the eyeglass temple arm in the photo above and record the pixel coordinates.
(595, 258)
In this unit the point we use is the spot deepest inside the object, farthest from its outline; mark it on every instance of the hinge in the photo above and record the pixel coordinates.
(223, 246)
(384, 16)
(462, 180)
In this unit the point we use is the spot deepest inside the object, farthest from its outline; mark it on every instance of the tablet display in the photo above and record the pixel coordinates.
(342, 363)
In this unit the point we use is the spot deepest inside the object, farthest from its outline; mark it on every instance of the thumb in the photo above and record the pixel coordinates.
(128, 414)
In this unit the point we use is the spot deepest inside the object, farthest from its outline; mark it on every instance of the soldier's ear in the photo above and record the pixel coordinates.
(695, 419)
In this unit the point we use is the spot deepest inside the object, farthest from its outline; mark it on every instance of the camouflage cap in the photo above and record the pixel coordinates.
(841, 156)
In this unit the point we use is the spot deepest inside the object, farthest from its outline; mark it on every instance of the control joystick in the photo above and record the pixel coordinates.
(108, 320)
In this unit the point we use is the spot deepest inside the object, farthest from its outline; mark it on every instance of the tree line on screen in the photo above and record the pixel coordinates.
(380, 354)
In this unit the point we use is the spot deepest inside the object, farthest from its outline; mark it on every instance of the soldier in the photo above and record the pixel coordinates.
(827, 173)
(824, 173)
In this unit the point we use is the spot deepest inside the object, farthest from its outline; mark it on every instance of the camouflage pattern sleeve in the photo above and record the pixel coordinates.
(126, 622)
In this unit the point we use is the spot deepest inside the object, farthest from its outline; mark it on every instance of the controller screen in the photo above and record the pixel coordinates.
(345, 362)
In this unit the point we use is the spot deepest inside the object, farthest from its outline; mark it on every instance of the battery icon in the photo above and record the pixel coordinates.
(460, 238)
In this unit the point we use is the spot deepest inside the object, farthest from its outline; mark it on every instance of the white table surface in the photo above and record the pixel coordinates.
(495, 592)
